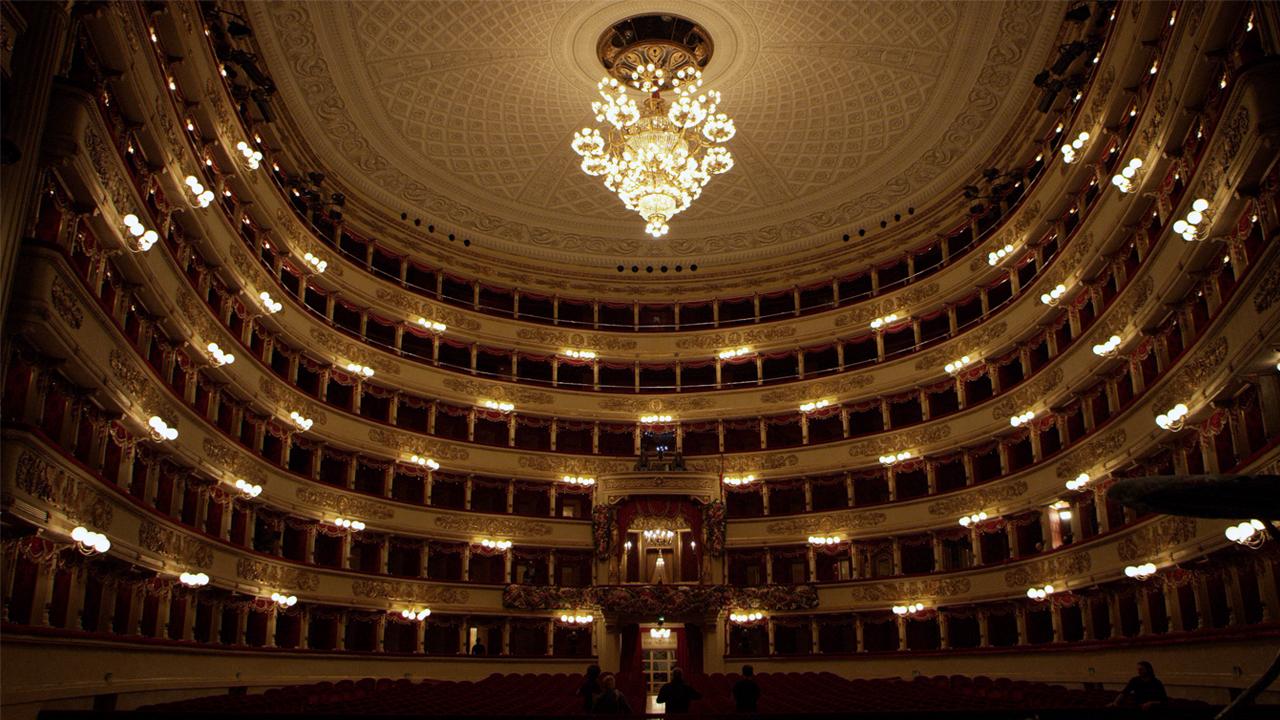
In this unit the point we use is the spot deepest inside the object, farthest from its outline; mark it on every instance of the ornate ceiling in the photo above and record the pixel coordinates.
(461, 112)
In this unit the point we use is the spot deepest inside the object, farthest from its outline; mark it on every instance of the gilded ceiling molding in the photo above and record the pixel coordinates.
(344, 505)
(1055, 567)
(901, 302)
(141, 388)
(967, 344)
(63, 491)
(232, 460)
(901, 440)
(510, 527)
(827, 523)
(1031, 393)
(175, 545)
(656, 405)
(1192, 377)
(734, 338)
(409, 592)
(353, 351)
(569, 465)
(412, 305)
(980, 499)
(910, 590)
(594, 341)
(409, 444)
(495, 391)
(1091, 454)
(1155, 537)
(66, 303)
(821, 388)
(287, 399)
(276, 577)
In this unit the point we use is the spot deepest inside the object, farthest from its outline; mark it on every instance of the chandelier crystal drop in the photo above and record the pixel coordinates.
(657, 155)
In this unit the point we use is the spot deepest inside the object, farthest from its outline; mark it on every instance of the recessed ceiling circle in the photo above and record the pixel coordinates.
(576, 38)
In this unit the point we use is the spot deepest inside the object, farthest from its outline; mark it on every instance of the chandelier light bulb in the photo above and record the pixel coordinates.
(501, 406)
(1053, 296)
(580, 354)
(736, 352)
(1251, 534)
(426, 462)
(578, 480)
(742, 617)
(1140, 572)
(218, 356)
(1079, 482)
(1174, 419)
(1108, 348)
(432, 325)
(1022, 418)
(824, 539)
(248, 489)
(994, 257)
(358, 369)
(910, 609)
(90, 542)
(739, 480)
(193, 579)
(160, 430)
(252, 158)
(956, 366)
(1040, 593)
(315, 262)
(973, 519)
(892, 459)
(269, 303)
(302, 423)
(651, 419)
(501, 545)
(815, 405)
(1189, 227)
(284, 601)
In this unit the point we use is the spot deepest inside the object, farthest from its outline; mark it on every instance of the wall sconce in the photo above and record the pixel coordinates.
(578, 480)
(1040, 593)
(1174, 419)
(1069, 149)
(652, 419)
(911, 609)
(1251, 534)
(1052, 297)
(660, 632)
(956, 366)
(1079, 482)
(193, 580)
(1107, 349)
(269, 304)
(1140, 572)
(89, 542)
(317, 265)
(815, 405)
(284, 601)
(252, 158)
(358, 369)
(419, 615)
(884, 321)
(739, 480)
(577, 618)
(160, 430)
(892, 459)
(995, 256)
(736, 352)
(501, 406)
(302, 423)
(659, 536)
(1022, 418)
(432, 325)
(248, 489)
(745, 618)
(973, 519)
(219, 357)
(824, 539)
(580, 354)
(503, 545)
(1189, 227)
(1124, 179)
(348, 524)
(144, 238)
(424, 462)
(202, 197)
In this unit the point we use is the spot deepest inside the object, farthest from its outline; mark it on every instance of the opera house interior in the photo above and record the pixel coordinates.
(541, 357)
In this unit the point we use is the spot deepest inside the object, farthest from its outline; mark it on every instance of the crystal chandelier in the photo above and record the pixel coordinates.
(656, 155)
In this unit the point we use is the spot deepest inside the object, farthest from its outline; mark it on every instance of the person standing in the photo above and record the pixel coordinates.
(1144, 690)
(746, 692)
(610, 701)
(590, 688)
(676, 696)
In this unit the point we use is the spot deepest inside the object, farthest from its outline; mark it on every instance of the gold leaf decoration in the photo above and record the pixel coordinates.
(562, 465)
(354, 352)
(496, 391)
(1192, 377)
(345, 504)
(417, 307)
(66, 303)
(1091, 454)
(409, 444)
(827, 523)
(1037, 390)
(969, 343)
(561, 339)
(175, 545)
(65, 492)
(900, 303)
(276, 576)
(510, 527)
(900, 440)
(655, 405)
(405, 591)
(290, 400)
(234, 461)
(1155, 537)
(981, 498)
(910, 590)
(734, 338)
(1056, 567)
(822, 388)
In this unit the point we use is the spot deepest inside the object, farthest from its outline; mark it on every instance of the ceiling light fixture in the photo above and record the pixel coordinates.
(655, 155)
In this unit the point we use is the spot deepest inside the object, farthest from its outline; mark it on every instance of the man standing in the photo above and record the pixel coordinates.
(746, 693)
(676, 696)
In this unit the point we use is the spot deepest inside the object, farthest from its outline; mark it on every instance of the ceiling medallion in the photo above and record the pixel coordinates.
(656, 155)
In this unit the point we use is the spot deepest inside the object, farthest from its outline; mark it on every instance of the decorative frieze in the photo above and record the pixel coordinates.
(970, 343)
(656, 405)
(1192, 377)
(1047, 570)
(894, 442)
(568, 465)
(344, 505)
(735, 338)
(63, 491)
(495, 391)
(277, 576)
(65, 303)
(350, 351)
(175, 545)
(653, 600)
(978, 499)
(1091, 454)
(1125, 310)
(910, 589)
(234, 462)
(823, 388)
(490, 526)
(1155, 537)
(562, 339)
(1031, 393)
(417, 307)
(408, 444)
(827, 523)
(141, 388)
(403, 591)
(902, 302)
(289, 400)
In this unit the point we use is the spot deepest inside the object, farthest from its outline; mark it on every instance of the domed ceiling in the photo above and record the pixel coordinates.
(462, 112)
